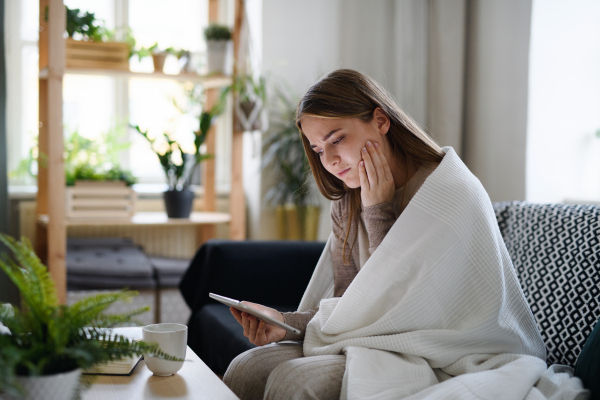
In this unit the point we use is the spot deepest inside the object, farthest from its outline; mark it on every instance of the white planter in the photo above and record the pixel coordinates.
(217, 51)
(51, 387)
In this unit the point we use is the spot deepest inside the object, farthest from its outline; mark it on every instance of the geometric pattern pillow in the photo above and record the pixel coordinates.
(555, 249)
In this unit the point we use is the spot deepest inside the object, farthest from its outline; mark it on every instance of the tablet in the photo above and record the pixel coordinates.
(242, 307)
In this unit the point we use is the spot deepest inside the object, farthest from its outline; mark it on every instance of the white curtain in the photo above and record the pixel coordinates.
(459, 68)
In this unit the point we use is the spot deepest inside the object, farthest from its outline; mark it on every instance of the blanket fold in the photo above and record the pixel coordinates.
(438, 298)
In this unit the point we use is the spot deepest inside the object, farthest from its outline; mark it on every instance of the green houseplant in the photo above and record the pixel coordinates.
(179, 165)
(218, 39)
(50, 341)
(84, 24)
(287, 167)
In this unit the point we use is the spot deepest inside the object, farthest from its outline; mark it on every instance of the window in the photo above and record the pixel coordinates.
(563, 150)
(95, 104)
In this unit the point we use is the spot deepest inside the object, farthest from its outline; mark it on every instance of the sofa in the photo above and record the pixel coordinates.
(555, 250)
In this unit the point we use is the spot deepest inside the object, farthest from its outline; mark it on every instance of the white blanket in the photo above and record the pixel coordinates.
(438, 299)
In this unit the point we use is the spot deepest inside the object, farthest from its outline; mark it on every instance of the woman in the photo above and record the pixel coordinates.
(372, 160)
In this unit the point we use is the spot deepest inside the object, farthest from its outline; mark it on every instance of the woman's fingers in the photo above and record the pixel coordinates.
(237, 315)
(387, 172)
(368, 162)
(362, 176)
(261, 336)
(376, 159)
(252, 329)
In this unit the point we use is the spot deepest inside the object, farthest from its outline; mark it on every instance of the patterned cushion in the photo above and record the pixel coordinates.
(555, 249)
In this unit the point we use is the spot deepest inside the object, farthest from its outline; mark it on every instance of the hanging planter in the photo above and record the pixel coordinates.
(250, 103)
(248, 115)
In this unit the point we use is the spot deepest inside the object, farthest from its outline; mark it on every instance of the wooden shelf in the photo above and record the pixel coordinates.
(148, 219)
(208, 81)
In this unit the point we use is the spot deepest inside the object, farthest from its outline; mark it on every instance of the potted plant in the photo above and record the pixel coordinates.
(217, 42)
(179, 165)
(287, 166)
(45, 345)
(89, 43)
(250, 103)
(85, 25)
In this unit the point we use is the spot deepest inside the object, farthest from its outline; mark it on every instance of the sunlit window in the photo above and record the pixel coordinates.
(563, 143)
(96, 104)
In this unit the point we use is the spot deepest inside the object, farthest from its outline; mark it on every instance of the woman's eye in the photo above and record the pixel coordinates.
(338, 141)
(320, 153)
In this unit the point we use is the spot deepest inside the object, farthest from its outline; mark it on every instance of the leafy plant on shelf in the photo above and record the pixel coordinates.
(177, 164)
(155, 49)
(85, 24)
(85, 159)
(217, 32)
(96, 160)
(46, 338)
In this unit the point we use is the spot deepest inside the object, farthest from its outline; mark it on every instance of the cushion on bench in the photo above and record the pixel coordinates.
(107, 263)
(169, 270)
(555, 249)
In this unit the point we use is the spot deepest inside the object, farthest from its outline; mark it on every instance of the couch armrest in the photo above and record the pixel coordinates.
(265, 272)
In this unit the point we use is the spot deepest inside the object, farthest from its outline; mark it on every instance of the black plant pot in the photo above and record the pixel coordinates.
(178, 203)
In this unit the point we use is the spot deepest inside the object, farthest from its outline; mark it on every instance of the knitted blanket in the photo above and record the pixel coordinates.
(437, 311)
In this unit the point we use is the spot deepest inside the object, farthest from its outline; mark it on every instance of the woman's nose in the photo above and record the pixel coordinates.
(330, 159)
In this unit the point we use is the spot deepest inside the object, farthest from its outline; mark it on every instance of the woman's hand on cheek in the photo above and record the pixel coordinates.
(376, 180)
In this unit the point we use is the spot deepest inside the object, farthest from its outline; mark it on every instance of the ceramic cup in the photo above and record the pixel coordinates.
(172, 340)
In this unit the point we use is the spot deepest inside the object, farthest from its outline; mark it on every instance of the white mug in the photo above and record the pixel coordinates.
(172, 340)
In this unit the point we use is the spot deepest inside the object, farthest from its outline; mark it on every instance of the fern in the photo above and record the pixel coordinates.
(47, 338)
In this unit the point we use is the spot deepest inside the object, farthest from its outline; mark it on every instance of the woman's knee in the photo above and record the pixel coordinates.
(247, 374)
(317, 377)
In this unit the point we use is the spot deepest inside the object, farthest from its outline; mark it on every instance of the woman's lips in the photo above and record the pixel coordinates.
(343, 172)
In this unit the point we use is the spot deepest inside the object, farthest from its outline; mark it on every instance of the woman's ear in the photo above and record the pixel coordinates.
(381, 120)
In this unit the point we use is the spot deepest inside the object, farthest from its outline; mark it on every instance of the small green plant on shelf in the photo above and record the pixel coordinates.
(86, 25)
(178, 164)
(96, 160)
(46, 338)
(155, 49)
(217, 32)
(85, 159)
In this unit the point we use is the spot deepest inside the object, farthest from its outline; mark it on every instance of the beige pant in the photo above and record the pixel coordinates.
(280, 371)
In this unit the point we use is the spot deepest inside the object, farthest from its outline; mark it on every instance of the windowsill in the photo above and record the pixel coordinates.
(144, 191)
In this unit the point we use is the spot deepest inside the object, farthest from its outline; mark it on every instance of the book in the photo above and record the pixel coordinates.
(124, 366)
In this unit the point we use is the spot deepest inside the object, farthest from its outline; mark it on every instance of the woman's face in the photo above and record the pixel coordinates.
(338, 142)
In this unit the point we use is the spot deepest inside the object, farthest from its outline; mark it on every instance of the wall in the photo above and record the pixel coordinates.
(301, 42)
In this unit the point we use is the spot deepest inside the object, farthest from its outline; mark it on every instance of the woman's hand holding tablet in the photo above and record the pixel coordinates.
(257, 330)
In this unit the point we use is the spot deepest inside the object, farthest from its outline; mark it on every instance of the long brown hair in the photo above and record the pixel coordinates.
(346, 93)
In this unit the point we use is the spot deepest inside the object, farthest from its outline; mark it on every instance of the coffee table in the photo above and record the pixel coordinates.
(193, 381)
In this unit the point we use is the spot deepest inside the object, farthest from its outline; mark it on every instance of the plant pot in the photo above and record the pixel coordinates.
(247, 108)
(295, 223)
(50, 387)
(217, 55)
(178, 203)
(159, 61)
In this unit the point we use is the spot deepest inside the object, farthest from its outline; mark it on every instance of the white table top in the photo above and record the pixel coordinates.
(193, 381)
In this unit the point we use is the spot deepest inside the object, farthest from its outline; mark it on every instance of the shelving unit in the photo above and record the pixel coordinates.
(51, 228)
(208, 82)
